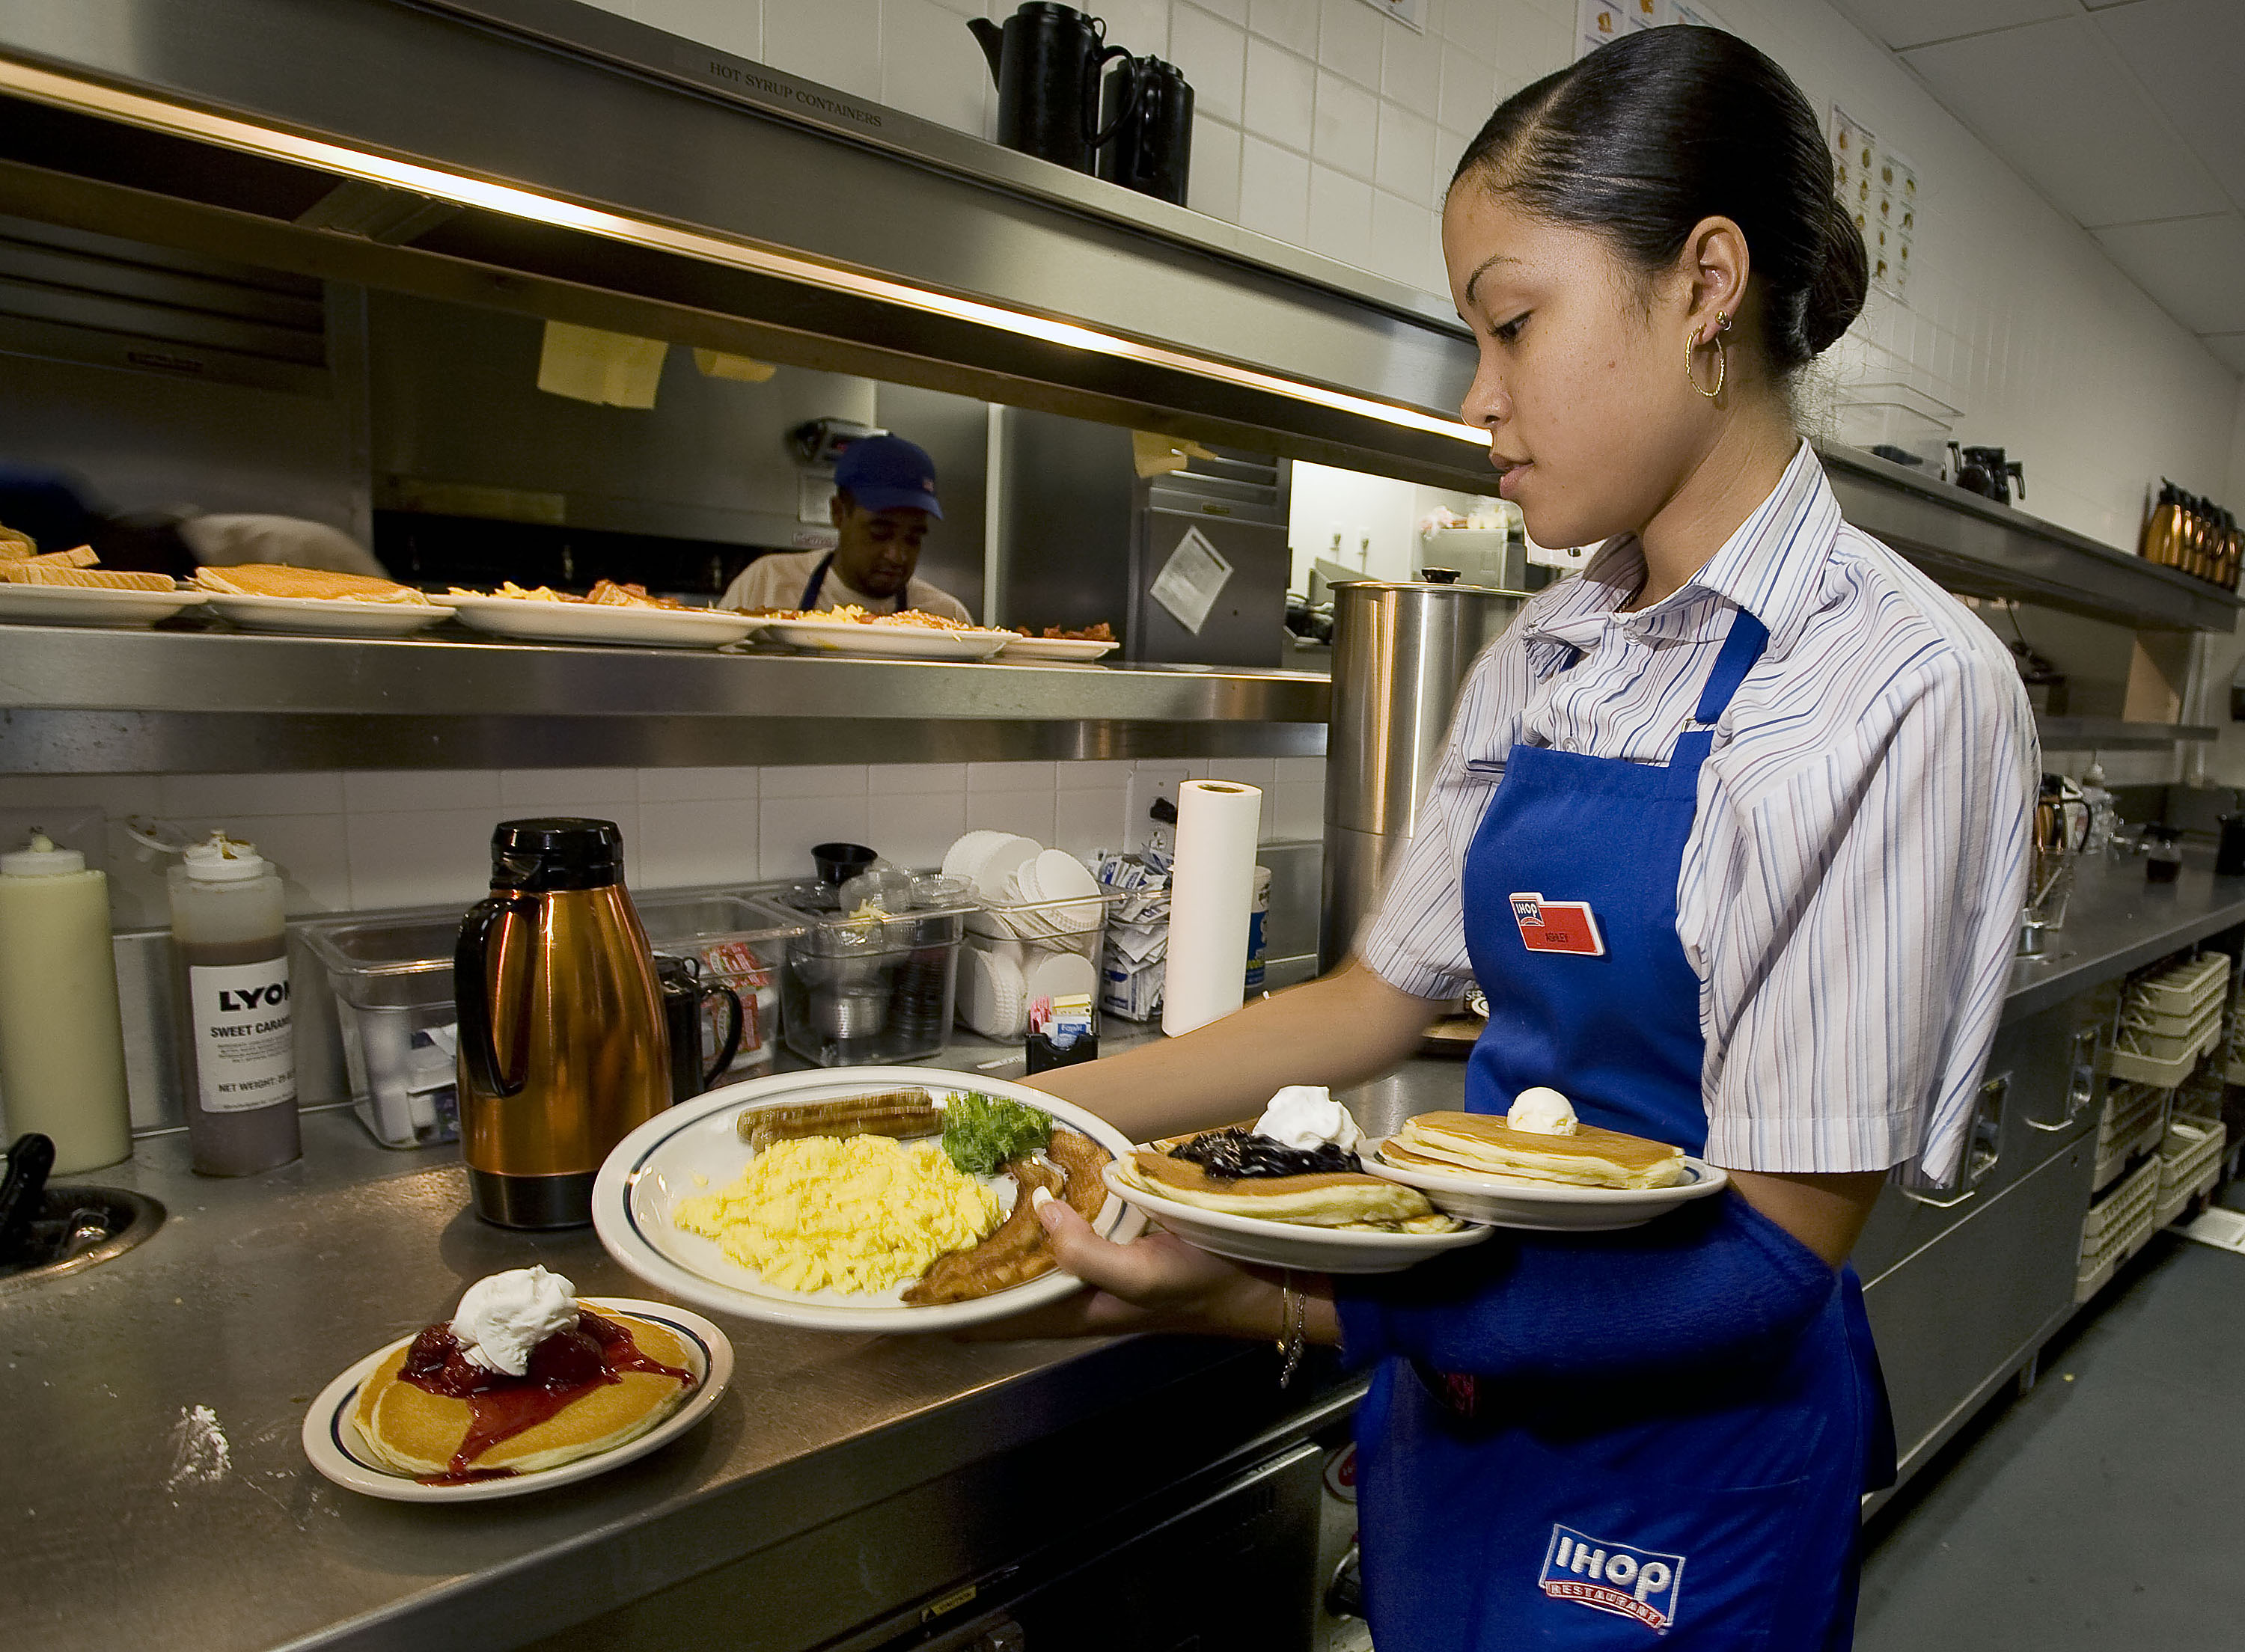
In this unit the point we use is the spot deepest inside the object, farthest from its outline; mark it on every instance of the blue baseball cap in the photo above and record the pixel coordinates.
(888, 473)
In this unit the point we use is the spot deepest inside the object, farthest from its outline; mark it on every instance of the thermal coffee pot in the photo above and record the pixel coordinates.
(563, 1051)
(1148, 108)
(1047, 61)
(1984, 471)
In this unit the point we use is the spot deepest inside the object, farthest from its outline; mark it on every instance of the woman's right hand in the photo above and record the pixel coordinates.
(1156, 1283)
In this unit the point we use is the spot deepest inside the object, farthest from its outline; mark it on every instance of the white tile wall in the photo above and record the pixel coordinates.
(362, 840)
(2016, 317)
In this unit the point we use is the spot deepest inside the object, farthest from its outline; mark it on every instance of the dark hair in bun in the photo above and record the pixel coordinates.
(1650, 133)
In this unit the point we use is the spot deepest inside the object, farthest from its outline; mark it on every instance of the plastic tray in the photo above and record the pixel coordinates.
(2183, 990)
(2134, 1117)
(2115, 1229)
(2190, 1163)
(2166, 1074)
(2164, 1038)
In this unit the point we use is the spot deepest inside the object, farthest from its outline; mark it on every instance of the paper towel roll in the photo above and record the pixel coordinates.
(1211, 888)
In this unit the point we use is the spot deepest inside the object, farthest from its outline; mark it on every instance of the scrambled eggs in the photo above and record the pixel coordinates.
(848, 1213)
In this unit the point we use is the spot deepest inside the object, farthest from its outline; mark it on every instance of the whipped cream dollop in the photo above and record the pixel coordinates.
(1304, 1116)
(1543, 1111)
(502, 1316)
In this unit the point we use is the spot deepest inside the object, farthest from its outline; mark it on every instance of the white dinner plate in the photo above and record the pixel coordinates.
(332, 616)
(338, 1450)
(1520, 1201)
(696, 1148)
(894, 642)
(1292, 1244)
(1077, 649)
(92, 605)
(605, 622)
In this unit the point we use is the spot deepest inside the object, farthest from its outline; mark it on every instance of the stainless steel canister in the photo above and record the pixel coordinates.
(1401, 652)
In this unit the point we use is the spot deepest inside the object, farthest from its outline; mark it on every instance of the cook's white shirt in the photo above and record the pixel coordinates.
(776, 580)
(1850, 890)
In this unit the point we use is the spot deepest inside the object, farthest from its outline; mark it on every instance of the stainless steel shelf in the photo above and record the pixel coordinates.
(2112, 734)
(92, 701)
(1983, 549)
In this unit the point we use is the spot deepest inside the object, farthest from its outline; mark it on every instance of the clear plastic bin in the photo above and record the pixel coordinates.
(392, 980)
(855, 991)
(1021, 952)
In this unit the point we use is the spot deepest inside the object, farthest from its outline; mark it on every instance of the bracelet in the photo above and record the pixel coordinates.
(1293, 1319)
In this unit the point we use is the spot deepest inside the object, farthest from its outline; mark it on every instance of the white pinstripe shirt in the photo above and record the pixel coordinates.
(1850, 890)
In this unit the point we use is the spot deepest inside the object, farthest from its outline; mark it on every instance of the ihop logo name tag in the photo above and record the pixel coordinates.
(1558, 926)
(1613, 1577)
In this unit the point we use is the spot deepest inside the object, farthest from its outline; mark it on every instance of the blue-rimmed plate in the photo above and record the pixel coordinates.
(696, 1148)
(339, 1451)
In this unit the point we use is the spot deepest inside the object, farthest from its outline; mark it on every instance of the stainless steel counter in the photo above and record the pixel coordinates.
(129, 1521)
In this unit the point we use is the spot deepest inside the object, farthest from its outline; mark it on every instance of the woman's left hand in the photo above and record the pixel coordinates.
(1156, 1283)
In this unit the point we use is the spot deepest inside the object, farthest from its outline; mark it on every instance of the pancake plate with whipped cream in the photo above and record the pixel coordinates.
(1296, 1164)
(526, 1378)
(1579, 1155)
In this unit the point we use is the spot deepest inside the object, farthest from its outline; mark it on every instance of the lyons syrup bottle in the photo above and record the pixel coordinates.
(239, 1051)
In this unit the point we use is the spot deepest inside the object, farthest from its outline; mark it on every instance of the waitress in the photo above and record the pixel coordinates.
(1791, 779)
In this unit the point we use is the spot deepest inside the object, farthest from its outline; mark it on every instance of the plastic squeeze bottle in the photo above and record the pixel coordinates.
(62, 1046)
(241, 1046)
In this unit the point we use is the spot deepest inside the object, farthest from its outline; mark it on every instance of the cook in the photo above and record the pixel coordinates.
(884, 499)
(1769, 788)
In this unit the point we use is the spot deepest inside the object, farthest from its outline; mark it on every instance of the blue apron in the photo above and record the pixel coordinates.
(1714, 1510)
(819, 583)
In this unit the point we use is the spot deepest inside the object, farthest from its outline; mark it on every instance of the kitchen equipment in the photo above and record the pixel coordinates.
(2062, 826)
(686, 998)
(62, 1046)
(1047, 61)
(563, 1047)
(1400, 650)
(856, 990)
(232, 940)
(1146, 107)
(839, 863)
(1984, 471)
(2162, 855)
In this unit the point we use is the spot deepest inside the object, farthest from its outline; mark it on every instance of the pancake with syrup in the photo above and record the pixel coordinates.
(1483, 1144)
(1317, 1199)
(602, 1385)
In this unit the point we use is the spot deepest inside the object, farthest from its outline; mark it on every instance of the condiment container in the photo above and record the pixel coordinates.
(61, 1045)
(2163, 855)
(231, 941)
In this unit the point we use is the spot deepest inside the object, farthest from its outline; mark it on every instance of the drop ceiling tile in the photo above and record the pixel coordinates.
(2193, 266)
(2190, 55)
(2228, 349)
(1913, 22)
(2051, 99)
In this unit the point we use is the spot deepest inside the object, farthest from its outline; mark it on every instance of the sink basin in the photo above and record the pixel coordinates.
(77, 1228)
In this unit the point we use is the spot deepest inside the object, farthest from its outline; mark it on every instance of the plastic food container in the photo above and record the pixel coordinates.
(392, 981)
(855, 991)
(1021, 951)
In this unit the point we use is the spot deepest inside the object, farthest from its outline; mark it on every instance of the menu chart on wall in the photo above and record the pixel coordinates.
(1880, 189)
(1600, 21)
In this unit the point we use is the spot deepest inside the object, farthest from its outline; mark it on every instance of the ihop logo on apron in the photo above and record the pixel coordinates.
(1612, 1577)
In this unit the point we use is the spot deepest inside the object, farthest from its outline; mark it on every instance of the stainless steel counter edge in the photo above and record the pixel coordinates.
(2116, 922)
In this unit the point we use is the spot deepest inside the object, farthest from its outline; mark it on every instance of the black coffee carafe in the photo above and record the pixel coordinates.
(1148, 104)
(1982, 470)
(1047, 61)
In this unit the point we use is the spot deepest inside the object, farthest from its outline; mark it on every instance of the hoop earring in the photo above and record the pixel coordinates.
(1722, 361)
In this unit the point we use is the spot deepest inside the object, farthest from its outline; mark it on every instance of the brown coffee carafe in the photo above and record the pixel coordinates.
(563, 1050)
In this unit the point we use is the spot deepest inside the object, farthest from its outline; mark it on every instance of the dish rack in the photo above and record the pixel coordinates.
(2169, 1021)
(2190, 1163)
(2134, 1120)
(2116, 1228)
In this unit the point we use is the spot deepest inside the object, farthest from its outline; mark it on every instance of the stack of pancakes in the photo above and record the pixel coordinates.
(415, 1432)
(1321, 1199)
(277, 579)
(19, 564)
(1484, 1144)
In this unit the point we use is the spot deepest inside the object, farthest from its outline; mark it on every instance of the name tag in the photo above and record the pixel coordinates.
(1558, 926)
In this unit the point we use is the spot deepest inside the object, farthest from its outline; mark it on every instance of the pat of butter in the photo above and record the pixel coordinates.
(1543, 1111)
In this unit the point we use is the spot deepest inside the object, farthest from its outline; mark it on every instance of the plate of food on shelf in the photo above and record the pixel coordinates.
(271, 596)
(608, 612)
(527, 1387)
(1079, 646)
(911, 635)
(72, 588)
(1539, 1166)
(868, 1199)
(1289, 1190)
